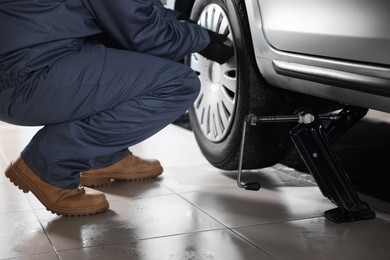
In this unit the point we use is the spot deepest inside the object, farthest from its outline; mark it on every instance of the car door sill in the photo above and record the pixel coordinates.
(359, 82)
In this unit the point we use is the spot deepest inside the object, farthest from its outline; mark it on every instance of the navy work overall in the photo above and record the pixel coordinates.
(99, 75)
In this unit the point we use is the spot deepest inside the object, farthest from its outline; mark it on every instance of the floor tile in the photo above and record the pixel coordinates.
(127, 220)
(15, 139)
(187, 213)
(236, 207)
(172, 146)
(3, 165)
(198, 177)
(22, 235)
(44, 256)
(205, 177)
(375, 203)
(119, 190)
(3, 179)
(318, 238)
(219, 244)
(12, 199)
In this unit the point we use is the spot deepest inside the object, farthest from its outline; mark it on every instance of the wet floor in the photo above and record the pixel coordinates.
(193, 211)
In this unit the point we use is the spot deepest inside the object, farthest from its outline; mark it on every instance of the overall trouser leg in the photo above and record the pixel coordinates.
(95, 104)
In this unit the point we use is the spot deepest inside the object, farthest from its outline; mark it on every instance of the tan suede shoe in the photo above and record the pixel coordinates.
(130, 168)
(68, 202)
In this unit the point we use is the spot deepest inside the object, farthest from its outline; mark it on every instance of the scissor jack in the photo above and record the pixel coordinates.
(313, 139)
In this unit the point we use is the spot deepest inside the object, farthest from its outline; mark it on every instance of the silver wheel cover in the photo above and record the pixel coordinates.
(216, 103)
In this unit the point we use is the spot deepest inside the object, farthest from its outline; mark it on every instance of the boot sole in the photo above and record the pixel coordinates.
(25, 184)
(104, 179)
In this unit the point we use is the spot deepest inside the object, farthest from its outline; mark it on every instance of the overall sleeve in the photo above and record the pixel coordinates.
(145, 26)
(166, 12)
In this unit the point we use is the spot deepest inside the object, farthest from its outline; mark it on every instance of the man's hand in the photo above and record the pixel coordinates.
(217, 50)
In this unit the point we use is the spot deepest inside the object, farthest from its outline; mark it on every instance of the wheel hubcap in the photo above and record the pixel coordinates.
(216, 103)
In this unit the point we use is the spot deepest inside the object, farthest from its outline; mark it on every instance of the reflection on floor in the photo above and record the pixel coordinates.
(193, 211)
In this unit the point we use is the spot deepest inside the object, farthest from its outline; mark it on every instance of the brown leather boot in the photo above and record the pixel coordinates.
(130, 168)
(67, 202)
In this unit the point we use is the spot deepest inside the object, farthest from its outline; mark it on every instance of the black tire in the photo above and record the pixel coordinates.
(265, 144)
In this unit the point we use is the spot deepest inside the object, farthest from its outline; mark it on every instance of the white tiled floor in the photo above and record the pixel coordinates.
(193, 211)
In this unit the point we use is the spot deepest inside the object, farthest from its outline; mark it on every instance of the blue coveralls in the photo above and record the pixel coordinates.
(93, 100)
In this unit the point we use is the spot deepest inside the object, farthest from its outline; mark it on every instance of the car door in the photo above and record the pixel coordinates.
(356, 30)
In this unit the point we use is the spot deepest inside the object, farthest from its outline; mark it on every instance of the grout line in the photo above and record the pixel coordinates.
(55, 251)
(253, 244)
(231, 229)
(202, 211)
(182, 234)
(135, 241)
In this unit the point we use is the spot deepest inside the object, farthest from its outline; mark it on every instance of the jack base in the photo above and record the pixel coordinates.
(340, 215)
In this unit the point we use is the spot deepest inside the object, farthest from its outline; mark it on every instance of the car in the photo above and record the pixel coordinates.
(312, 68)
(290, 56)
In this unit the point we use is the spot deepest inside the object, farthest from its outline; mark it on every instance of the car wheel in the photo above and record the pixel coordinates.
(231, 91)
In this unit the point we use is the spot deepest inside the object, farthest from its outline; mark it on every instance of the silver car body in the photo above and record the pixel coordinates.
(335, 49)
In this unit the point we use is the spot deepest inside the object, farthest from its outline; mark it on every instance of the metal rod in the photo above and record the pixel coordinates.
(241, 157)
(251, 185)
(300, 118)
(280, 119)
